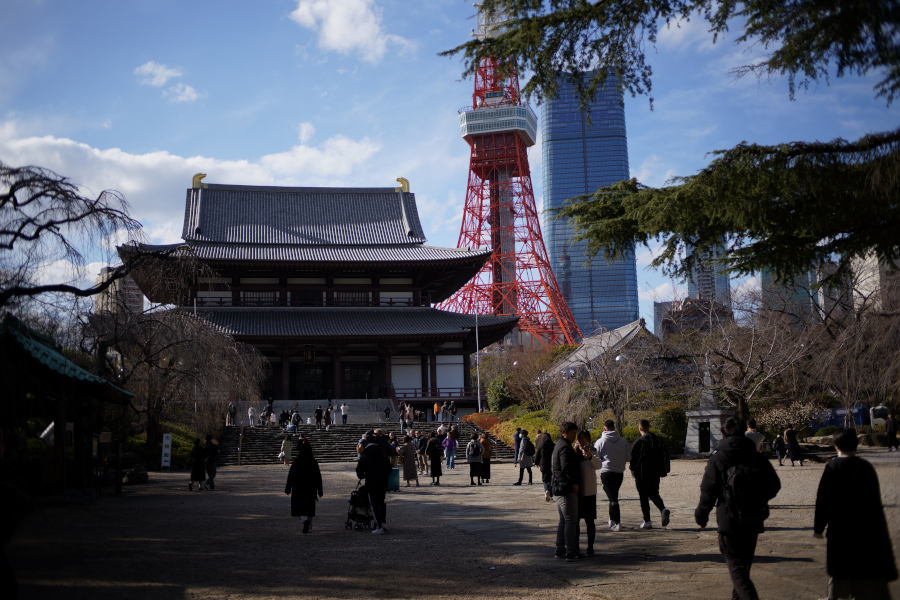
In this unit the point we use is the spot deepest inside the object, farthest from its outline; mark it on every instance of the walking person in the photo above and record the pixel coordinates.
(450, 445)
(408, 458)
(198, 467)
(453, 411)
(232, 413)
(649, 463)
(318, 414)
(779, 447)
(287, 447)
(437, 412)
(849, 502)
(612, 450)
(756, 437)
(751, 482)
(488, 445)
(526, 457)
(326, 417)
(543, 457)
(434, 452)
(210, 453)
(375, 467)
(793, 446)
(890, 430)
(474, 450)
(421, 443)
(251, 414)
(387, 412)
(345, 410)
(304, 484)
(517, 438)
(565, 485)
(587, 489)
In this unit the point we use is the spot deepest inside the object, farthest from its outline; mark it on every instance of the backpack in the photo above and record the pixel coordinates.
(744, 485)
(475, 449)
(529, 448)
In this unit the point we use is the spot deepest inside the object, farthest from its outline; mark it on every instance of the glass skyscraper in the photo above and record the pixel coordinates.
(578, 158)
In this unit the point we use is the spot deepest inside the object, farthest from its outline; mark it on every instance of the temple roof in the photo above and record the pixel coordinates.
(353, 254)
(241, 214)
(308, 323)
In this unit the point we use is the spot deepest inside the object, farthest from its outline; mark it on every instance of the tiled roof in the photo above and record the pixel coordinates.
(294, 253)
(348, 322)
(238, 214)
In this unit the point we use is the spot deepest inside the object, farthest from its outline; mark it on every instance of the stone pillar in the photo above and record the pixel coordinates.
(286, 376)
(336, 362)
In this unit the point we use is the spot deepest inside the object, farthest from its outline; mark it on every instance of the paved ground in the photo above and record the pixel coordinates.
(162, 541)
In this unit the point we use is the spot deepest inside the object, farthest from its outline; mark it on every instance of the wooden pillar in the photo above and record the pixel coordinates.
(467, 371)
(336, 363)
(235, 290)
(59, 447)
(286, 376)
(424, 361)
(433, 365)
(387, 371)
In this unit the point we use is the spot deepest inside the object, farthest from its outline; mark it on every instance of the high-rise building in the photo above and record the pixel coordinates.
(122, 294)
(796, 300)
(578, 158)
(708, 279)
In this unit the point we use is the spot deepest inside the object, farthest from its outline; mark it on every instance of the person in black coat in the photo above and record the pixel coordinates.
(435, 453)
(793, 446)
(565, 482)
(375, 467)
(198, 466)
(304, 484)
(737, 540)
(649, 463)
(543, 458)
(890, 430)
(849, 502)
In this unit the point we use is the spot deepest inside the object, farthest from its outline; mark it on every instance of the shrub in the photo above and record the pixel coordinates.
(672, 423)
(826, 430)
(498, 395)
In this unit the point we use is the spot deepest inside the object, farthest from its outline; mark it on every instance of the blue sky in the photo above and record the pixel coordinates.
(140, 95)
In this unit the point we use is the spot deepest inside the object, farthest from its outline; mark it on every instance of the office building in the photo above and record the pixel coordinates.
(122, 294)
(577, 158)
(708, 279)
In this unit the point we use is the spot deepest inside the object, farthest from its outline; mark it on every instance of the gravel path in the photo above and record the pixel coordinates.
(161, 541)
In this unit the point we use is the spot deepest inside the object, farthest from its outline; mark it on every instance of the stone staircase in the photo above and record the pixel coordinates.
(360, 411)
(260, 446)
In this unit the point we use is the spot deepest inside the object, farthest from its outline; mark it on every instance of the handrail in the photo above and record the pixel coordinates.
(266, 302)
(240, 441)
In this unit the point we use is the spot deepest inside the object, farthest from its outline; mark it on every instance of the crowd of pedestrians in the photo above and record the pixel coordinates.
(738, 483)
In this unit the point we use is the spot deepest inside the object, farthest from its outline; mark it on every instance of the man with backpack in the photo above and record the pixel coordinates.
(526, 457)
(375, 467)
(649, 463)
(738, 482)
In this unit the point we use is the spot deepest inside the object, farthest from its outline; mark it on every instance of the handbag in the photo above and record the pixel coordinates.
(281, 455)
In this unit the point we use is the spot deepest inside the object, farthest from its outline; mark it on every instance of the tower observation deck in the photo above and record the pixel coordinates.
(500, 211)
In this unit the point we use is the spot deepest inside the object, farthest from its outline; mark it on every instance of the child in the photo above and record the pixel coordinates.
(779, 448)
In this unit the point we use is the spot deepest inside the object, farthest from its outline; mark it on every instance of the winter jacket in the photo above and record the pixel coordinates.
(525, 461)
(421, 444)
(210, 453)
(471, 456)
(890, 426)
(304, 484)
(374, 466)
(588, 468)
(732, 451)
(757, 439)
(543, 457)
(649, 457)
(488, 447)
(566, 468)
(849, 502)
(793, 446)
(449, 443)
(613, 452)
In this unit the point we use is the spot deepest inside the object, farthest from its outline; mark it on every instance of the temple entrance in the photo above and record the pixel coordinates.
(310, 383)
(704, 437)
(357, 382)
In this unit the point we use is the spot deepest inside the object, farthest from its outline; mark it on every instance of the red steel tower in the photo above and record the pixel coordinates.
(501, 213)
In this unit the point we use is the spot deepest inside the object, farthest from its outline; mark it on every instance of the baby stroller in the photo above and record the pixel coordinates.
(359, 515)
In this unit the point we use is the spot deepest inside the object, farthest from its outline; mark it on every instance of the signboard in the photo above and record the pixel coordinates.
(166, 451)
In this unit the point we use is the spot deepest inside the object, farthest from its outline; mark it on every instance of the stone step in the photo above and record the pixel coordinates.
(260, 446)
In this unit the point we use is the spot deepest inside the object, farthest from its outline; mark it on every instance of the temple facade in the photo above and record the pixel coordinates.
(335, 287)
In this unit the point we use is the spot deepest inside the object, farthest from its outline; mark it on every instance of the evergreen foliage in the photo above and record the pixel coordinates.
(498, 395)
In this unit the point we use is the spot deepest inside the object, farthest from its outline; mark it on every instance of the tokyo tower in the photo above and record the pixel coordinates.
(501, 214)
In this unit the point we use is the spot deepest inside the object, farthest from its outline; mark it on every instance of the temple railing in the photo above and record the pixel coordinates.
(443, 393)
(271, 302)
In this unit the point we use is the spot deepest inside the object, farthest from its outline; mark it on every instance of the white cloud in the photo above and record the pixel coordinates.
(647, 255)
(652, 172)
(155, 74)
(663, 292)
(347, 26)
(182, 93)
(306, 132)
(683, 34)
(107, 124)
(154, 182)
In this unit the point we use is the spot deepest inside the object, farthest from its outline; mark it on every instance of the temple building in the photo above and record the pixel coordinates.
(334, 286)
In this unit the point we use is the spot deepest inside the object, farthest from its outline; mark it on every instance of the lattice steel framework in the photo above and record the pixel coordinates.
(500, 213)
